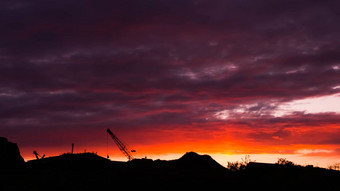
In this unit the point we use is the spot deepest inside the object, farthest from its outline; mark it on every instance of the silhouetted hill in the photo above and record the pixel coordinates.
(88, 171)
(191, 169)
(192, 159)
(10, 157)
(67, 160)
(291, 176)
(85, 171)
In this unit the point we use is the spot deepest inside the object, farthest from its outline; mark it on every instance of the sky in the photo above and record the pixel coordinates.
(222, 77)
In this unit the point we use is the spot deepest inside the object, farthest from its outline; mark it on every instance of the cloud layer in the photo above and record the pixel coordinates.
(168, 71)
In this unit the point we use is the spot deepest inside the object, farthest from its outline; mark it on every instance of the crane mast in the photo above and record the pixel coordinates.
(121, 145)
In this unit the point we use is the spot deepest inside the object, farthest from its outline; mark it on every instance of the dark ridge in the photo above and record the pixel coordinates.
(68, 160)
(291, 176)
(192, 171)
(197, 159)
(197, 162)
(191, 156)
(10, 157)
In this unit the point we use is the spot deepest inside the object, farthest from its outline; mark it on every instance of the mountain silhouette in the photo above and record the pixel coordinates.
(10, 157)
(192, 171)
(200, 161)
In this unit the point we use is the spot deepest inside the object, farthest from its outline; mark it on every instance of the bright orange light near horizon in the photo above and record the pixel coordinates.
(221, 143)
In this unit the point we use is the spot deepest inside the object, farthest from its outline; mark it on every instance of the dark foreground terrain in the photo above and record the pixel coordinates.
(88, 171)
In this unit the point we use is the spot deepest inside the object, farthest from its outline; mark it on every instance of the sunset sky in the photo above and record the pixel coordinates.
(221, 77)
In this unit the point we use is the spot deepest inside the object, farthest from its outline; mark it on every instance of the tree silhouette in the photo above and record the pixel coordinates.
(284, 161)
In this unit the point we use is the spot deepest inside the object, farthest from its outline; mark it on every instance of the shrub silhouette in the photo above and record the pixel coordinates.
(335, 166)
(239, 165)
(284, 161)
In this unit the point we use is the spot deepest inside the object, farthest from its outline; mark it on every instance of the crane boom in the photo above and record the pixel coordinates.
(121, 145)
(37, 155)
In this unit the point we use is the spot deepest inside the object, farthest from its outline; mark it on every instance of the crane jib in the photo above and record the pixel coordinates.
(121, 145)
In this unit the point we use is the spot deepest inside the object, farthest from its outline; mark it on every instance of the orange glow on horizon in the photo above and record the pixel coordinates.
(220, 151)
(219, 140)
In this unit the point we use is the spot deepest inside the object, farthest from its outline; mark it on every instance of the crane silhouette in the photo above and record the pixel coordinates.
(37, 155)
(122, 147)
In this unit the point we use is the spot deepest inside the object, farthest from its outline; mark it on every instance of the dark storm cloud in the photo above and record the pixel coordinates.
(77, 64)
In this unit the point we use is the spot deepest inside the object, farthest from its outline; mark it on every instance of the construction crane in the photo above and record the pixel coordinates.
(121, 145)
(37, 155)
